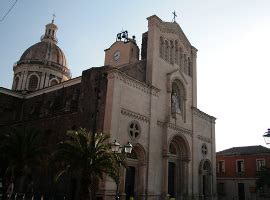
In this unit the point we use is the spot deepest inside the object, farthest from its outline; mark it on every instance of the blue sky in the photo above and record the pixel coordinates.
(232, 36)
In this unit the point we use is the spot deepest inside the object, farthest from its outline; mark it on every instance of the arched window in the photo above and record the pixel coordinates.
(176, 52)
(181, 58)
(185, 64)
(33, 83)
(161, 47)
(189, 67)
(205, 178)
(16, 83)
(166, 50)
(171, 52)
(53, 82)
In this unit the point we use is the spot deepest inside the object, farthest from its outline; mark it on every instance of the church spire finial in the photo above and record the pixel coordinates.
(174, 16)
(53, 17)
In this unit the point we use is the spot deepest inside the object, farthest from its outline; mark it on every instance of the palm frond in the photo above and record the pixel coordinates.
(88, 153)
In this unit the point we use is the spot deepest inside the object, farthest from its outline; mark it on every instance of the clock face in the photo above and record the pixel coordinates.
(116, 55)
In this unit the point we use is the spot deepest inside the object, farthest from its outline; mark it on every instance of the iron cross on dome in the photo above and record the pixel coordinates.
(53, 17)
(174, 16)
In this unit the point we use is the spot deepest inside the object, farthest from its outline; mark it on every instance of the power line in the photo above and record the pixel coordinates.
(2, 19)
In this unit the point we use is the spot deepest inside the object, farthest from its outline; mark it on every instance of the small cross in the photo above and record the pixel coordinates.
(53, 17)
(174, 16)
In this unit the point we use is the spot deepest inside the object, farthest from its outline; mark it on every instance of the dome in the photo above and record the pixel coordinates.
(45, 54)
(41, 65)
(44, 51)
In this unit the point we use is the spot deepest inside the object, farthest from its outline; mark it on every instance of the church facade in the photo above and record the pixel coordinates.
(148, 100)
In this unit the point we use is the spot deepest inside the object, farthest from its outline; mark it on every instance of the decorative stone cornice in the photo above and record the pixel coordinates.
(55, 87)
(175, 128)
(203, 115)
(205, 139)
(134, 115)
(128, 80)
(23, 95)
(11, 93)
(43, 64)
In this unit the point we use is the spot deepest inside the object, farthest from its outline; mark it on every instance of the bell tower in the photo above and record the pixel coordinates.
(123, 51)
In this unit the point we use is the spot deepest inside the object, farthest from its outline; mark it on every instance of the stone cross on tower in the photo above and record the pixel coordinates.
(174, 16)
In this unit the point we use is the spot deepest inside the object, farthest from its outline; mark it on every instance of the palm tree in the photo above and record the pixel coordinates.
(89, 155)
(23, 151)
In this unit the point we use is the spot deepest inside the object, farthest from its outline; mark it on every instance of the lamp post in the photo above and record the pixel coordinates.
(266, 136)
(118, 149)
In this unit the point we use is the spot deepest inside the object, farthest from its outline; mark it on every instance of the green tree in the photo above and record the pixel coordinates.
(264, 178)
(22, 149)
(89, 156)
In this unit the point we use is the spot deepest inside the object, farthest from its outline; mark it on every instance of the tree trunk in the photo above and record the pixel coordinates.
(84, 189)
(94, 188)
(21, 188)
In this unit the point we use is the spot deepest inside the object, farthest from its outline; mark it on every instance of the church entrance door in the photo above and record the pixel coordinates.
(171, 180)
(177, 169)
(130, 182)
(134, 179)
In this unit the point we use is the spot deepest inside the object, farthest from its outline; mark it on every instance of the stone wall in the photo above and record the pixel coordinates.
(10, 109)
(53, 112)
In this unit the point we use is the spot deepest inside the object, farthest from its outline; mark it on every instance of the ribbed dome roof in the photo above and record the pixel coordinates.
(45, 51)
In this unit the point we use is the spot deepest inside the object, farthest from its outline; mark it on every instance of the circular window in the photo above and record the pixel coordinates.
(204, 149)
(134, 130)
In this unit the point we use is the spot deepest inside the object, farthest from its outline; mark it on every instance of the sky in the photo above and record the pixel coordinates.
(232, 38)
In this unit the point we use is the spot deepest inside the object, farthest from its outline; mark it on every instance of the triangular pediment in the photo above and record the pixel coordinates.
(170, 27)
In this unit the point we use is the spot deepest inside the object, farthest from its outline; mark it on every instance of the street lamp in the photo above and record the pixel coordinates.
(266, 136)
(118, 149)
